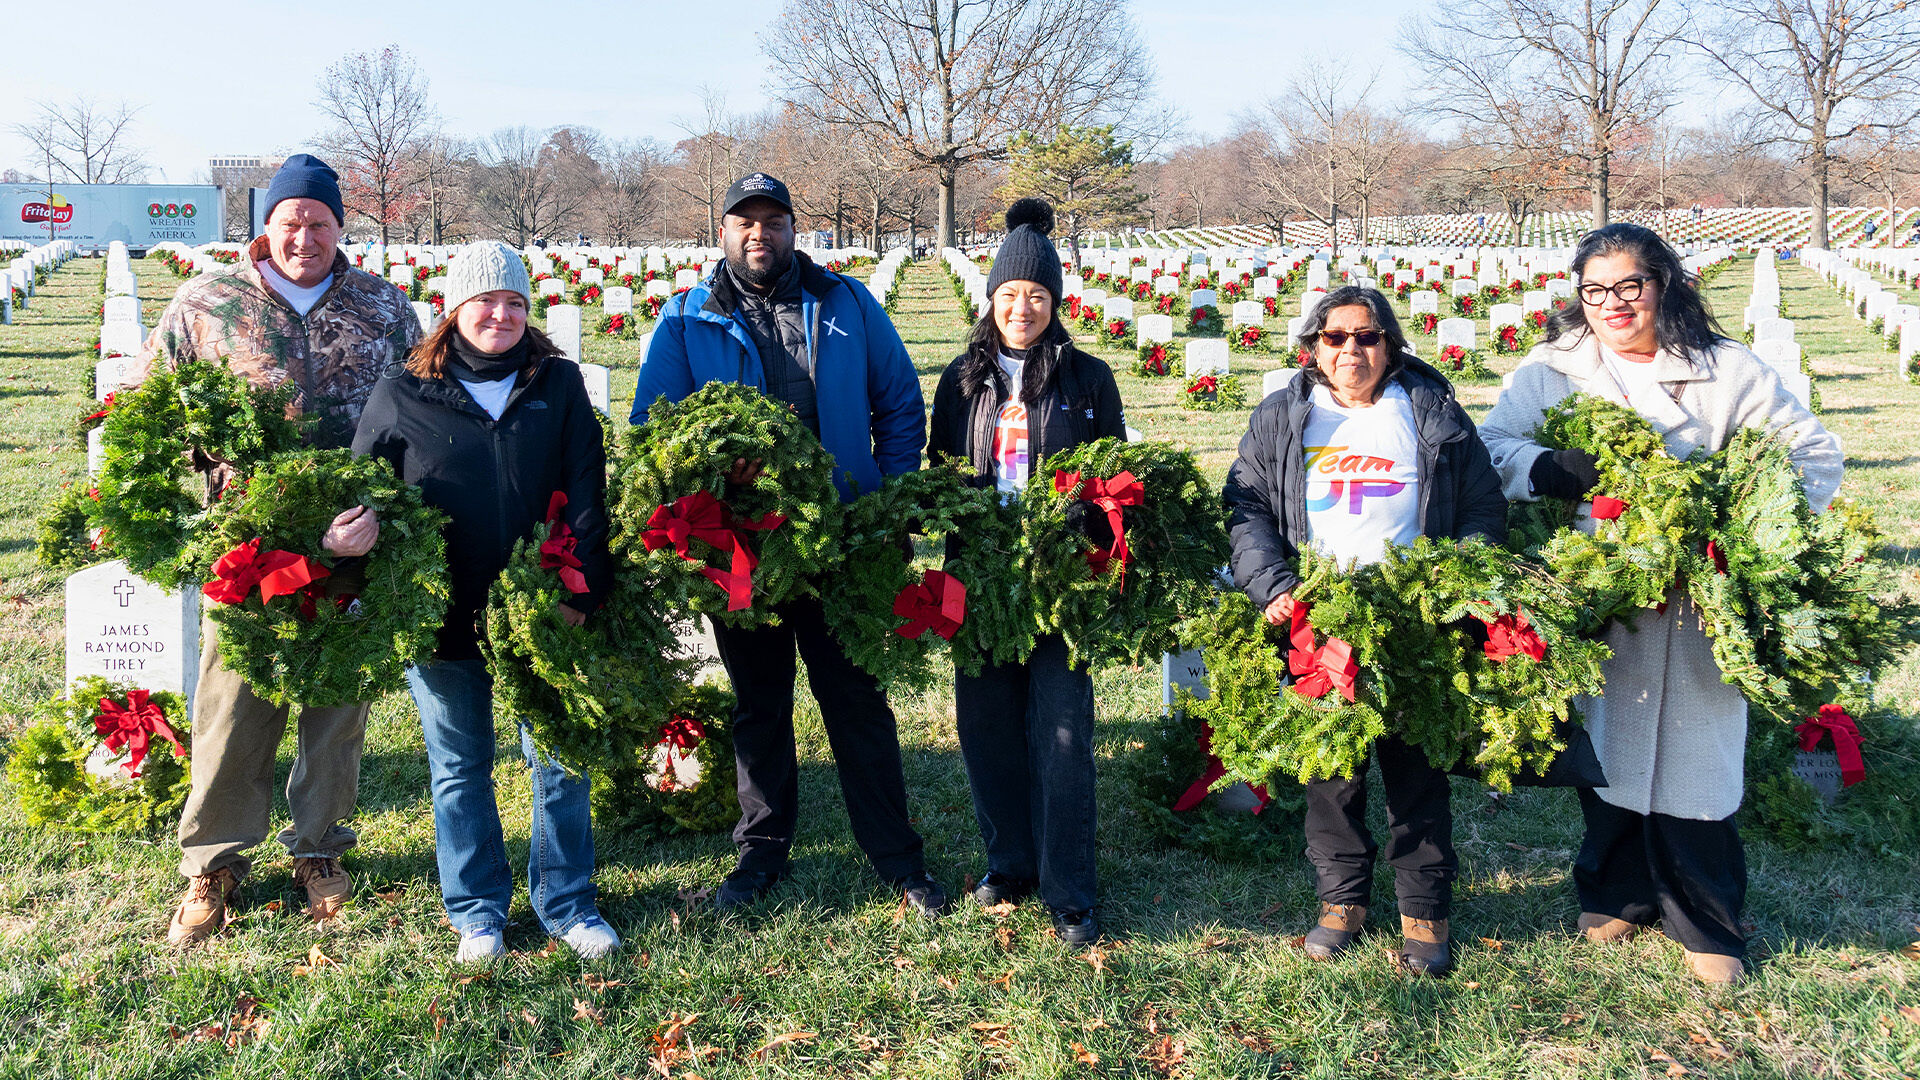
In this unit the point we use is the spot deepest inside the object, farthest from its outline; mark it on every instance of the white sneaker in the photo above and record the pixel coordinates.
(592, 938)
(481, 945)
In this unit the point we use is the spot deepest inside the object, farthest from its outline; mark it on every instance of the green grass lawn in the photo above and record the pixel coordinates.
(1202, 975)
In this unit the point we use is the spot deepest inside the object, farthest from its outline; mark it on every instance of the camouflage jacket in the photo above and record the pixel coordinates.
(334, 354)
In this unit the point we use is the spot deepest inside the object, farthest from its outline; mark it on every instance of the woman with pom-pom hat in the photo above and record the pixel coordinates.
(1019, 393)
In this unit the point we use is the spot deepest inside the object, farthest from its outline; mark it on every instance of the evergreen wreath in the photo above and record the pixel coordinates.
(1116, 595)
(1456, 647)
(605, 684)
(63, 541)
(734, 552)
(892, 616)
(152, 439)
(1213, 393)
(644, 792)
(47, 763)
(1158, 767)
(1153, 361)
(320, 630)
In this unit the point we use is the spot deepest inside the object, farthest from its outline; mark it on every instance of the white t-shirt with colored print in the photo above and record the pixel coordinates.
(1363, 475)
(1010, 465)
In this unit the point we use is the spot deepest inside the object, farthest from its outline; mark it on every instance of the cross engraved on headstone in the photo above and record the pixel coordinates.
(124, 590)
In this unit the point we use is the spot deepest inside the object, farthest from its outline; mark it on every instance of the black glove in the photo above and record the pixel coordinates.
(1564, 474)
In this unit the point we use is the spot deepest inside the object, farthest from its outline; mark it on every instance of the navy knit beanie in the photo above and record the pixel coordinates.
(1026, 254)
(307, 177)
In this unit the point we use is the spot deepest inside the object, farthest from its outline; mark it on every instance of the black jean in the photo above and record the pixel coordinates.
(1026, 734)
(1419, 827)
(1690, 875)
(860, 730)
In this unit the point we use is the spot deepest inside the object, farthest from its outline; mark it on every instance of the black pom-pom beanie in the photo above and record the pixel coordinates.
(1026, 254)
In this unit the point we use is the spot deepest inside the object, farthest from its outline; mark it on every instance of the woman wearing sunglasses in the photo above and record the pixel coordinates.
(1661, 842)
(1366, 448)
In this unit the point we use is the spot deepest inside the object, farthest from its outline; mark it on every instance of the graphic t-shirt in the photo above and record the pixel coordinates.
(1010, 465)
(1363, 475)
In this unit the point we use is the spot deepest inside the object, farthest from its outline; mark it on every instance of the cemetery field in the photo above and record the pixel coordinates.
(1201, 974)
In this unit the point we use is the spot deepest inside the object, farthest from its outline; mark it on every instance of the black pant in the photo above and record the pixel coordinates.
(1691, 875)
(1026, 734)
(1419, 827)
(860, 729)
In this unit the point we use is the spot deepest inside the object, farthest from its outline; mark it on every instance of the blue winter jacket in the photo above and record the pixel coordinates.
(872, 414)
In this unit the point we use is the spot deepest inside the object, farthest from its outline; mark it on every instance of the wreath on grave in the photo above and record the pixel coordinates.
(200, 414)
(1204, 319)
(684, 781)
(92, 415)
(1117, 333)
(1427, 323)
(1153, 361)
(604, 685)
(618, 325)
(1509, 340)
(1125, 540)
(1159, 770)
(892, 616)
(734, 552)
(1796, 603)
(1457, 647)
(310, 628)
(1460, 363)
(1213, 393)
(1248, 339)
(104, 757)
(63, 541)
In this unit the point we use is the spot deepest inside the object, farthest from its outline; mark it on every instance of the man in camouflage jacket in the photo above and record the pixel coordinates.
(294, 309)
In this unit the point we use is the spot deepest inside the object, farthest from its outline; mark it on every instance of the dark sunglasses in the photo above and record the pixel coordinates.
(1337, 339)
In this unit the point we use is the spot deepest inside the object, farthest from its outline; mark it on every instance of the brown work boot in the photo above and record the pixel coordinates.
(1426, 946)
(1339, 924)
(327, 885)
(1604, 928)
(1716, 968)
(205, 909)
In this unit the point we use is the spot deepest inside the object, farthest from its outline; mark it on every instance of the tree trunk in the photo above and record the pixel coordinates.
(1820, 237)
(947, 174)
(1602, 174)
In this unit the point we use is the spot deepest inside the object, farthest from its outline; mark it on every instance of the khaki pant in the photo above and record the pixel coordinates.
(236, 737)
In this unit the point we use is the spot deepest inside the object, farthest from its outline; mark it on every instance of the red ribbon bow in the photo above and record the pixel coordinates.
(133, 726)
(1120, 490)
(702, 517)
(1606, 508)
(106, 406)
(938, 603)
(1205, 384)
(556, 552)
(1197, 792)
(1834, 721)
(277, 573)
(682, 733)
(1718, 557)
(1318, 670)
(1512, 635)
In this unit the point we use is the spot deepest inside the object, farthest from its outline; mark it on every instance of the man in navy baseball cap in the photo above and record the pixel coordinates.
(757, 186)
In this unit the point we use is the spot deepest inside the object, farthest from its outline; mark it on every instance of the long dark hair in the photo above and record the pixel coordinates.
(1682, 324)
(429, 358)
(982, 358)
(1383, 317)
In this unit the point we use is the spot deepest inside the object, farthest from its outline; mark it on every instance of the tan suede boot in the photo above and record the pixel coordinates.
(1605, 928)
(1716, 968)
(1426, 947)
(326, 883)
(1339, 925)
(204, 910)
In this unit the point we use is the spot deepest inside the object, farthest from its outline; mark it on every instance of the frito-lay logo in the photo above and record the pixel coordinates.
(170, 210)
(59, 211)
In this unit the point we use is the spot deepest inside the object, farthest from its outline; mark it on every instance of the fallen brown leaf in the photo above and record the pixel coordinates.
(584, 1010)
(316, 960)
(1094, 1024)
(1004, 980)
(393, 895)
(1214, 941)
(1912, 1013)
(866, 1042)
(989, 1027)
(1911, 952)
(1084, 1056)
(549, 950)
(1165, 1054)
(483, 975)
(1470, 986)
(783, 1039)
(1494, 944)
(532, 1020)
(1272, 910)
(946, 982)
(598, 985)
(271, 906)
(439, 1018)
(694, 896)
(1096, 957)
(1002, 909)
(902, 963)
(1003, 936)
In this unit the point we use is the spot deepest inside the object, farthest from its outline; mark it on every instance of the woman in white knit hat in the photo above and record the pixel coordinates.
(493, 424)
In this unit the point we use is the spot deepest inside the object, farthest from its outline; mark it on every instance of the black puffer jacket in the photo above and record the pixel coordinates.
(1266, 493)
(1078, 403)
(495, 478)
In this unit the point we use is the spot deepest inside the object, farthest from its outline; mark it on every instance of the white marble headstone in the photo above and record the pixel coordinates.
(1206, 356)
(123, 628)
(563, 326)
(617, 300)
(599, 387)
(1154, 328)
(1203, 298)
(1248, 312)
(1277, 379)
(1116, 307)
(1455, 332)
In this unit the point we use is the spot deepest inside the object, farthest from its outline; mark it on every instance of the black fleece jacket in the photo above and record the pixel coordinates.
(495, 478)
(1266, 493)
(1072, 399)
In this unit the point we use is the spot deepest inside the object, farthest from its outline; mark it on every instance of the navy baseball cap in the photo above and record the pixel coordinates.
(757, 186)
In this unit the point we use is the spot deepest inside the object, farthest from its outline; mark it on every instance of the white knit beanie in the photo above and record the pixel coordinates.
(482, 267)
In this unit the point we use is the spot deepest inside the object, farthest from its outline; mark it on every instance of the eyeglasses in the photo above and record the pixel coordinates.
(1627, 289)
(1337, 339)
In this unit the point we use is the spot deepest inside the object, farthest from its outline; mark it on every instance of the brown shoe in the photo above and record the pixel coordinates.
(205, 908)
(1605, 928)
(327, 885)
(1339, 925)
(1716, 968)
(1426, 946)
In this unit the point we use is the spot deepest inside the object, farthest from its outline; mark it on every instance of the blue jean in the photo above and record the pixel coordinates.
(455, 699)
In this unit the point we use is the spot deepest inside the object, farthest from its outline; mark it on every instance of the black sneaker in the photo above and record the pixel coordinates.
(924, 893)
(744, 887)
(1076, 927)
(999, 888)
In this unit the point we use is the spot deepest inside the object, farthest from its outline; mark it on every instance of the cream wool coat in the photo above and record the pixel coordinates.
(1670, 734)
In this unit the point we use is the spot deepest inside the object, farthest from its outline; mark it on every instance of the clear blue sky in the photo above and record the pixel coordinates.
(240, 79)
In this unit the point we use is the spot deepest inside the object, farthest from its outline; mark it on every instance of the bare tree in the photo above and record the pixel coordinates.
(1499, 67)
(707, 159)
(1823, 71)
(1325, 145)
(445, 165)
(1882, 159)
(946, 83)
(377, 103)
(525, 190)
(83, 142)
(630, 181)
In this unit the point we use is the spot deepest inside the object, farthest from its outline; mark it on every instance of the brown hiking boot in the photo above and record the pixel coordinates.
(327, 885)
(205, 908)
(1716, 968)
(1426, 946)
(1339, 924)
(1605, 928)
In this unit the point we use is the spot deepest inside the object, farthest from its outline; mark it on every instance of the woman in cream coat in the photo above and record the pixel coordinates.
(1661, 841)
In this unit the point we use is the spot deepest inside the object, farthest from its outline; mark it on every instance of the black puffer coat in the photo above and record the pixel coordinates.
(1078, 402)
(1266, 493)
